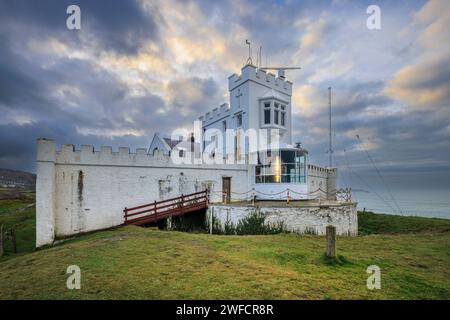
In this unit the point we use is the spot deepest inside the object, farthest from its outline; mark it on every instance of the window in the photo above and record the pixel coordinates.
(239, 120)
(267, 116)
(181, 153)
(267, 113)
(274, 113)
(281, 166)
(283, 115)
(224, 125)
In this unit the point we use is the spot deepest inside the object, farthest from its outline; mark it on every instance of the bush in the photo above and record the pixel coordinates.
(255, 223)
(252, 224)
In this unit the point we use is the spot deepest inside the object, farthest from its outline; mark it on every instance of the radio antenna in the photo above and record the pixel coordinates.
(330, 150)
(249, 59)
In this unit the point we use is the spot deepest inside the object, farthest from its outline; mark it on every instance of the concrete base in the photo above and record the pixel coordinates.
(303, 217)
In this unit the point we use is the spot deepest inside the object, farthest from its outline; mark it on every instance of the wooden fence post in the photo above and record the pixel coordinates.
(331, 241)
(13, 239)
(182, 203)
(211, 210)
(1, 240)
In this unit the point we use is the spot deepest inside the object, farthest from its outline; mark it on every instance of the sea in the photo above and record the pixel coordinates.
(425, 203)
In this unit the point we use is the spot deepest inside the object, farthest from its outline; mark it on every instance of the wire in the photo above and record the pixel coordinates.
(379, 174)
(364, 182)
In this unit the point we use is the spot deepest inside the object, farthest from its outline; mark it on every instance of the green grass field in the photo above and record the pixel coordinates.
(137, 263)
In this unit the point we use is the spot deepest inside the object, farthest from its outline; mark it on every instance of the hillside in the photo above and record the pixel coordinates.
(19, 177)
(138, 263)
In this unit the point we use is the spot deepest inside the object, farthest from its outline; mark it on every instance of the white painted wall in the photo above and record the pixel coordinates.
(306, 219)
(81, 191)
(45, 192)
(246, 90)
(321, 182)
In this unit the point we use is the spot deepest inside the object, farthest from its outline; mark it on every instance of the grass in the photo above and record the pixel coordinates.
(18, 212)
(375, 223)
(138, 263)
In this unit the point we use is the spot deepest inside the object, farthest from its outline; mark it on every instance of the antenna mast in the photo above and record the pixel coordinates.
(330, 150)
(249, 59)
(260, 56)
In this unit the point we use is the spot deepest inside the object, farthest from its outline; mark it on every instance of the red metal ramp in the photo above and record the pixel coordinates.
(158, 210)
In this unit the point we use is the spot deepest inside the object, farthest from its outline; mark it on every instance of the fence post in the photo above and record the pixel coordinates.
(13, 238)
(182, 203)
(211, 210)
(331, 241)
(1, 240)
(125, 211)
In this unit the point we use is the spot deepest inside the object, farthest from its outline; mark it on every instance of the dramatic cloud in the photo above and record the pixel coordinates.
(139, 67)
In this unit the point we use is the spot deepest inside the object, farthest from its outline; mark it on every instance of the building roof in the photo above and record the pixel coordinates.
(171, 143)
(272, 94)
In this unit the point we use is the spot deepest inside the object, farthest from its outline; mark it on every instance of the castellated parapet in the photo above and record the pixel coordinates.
(251, 73)
(69, 155)
(215, 114)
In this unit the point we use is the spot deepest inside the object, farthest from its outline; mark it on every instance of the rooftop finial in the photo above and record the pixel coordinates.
(249, 59)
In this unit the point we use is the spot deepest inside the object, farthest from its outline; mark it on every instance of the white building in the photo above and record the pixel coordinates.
(255, 128)
(81, 190)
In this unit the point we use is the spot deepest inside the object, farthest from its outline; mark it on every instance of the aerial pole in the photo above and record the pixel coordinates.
(249, 60)
(330, 150)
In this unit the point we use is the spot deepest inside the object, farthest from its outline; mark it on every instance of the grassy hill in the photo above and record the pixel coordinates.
(137, 263)
(20, 178)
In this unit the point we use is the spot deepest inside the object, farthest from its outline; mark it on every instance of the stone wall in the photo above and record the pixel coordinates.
(311, 219)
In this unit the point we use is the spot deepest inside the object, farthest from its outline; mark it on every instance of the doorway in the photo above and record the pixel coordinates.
(226, 189)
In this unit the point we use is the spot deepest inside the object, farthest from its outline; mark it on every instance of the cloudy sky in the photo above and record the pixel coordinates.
(139, 67)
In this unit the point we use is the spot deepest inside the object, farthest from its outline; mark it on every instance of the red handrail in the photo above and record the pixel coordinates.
(177, 206)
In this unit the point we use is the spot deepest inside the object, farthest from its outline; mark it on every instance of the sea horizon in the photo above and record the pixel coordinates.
(425, 203)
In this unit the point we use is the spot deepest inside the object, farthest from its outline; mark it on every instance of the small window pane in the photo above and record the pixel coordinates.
(239, 120)
(267, 105)
(275, 116)
(266, 116)
(287, 156)
(283, 119)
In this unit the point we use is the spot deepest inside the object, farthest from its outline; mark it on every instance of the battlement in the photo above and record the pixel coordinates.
(87, 155)
(250, 72)
(216, 113)
(322, 172)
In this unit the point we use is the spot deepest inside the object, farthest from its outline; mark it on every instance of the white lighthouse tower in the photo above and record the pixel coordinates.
(260, 102)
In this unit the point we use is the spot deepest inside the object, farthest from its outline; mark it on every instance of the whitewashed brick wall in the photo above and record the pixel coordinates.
(307, 219)
(86, 190)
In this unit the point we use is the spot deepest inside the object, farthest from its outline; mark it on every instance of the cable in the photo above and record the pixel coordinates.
(379, 174)
(364, 182)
